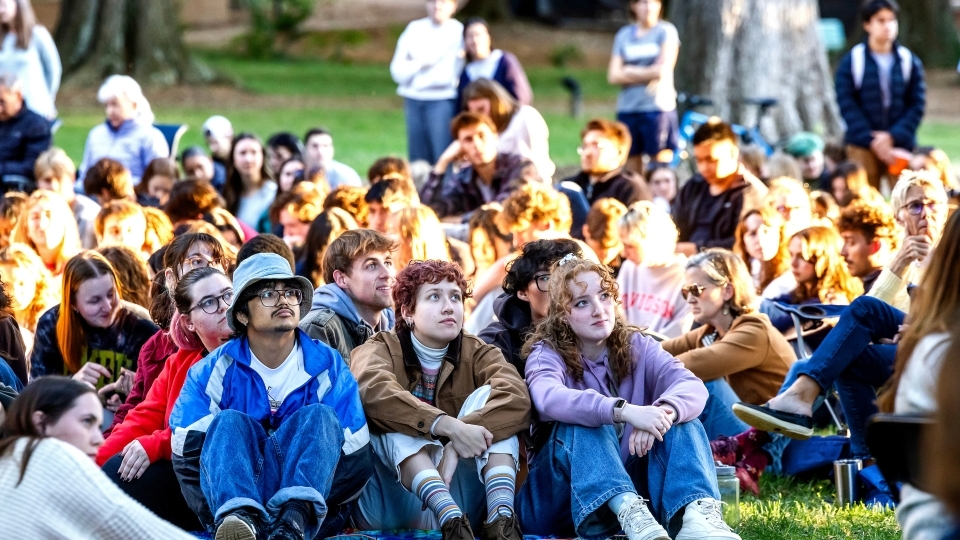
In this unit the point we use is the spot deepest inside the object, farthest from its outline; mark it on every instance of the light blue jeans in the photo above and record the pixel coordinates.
(579, 470)
(428, 127)
(717, 416)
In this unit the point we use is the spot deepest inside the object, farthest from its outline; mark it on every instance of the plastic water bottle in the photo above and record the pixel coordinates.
(729, 486)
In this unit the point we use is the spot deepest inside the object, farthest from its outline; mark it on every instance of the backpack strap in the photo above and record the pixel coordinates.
(858, 58)
(906, 63)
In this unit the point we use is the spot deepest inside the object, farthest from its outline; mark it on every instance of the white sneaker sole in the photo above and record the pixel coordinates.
(771, 424)
(234, 528)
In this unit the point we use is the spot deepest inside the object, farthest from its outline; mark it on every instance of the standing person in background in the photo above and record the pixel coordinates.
(55, 171)
(484, 62)
(426, 66)
(642, 62)
(318, 152)
(28, 51)
(881, 91)
(250, 188)
(128, 135)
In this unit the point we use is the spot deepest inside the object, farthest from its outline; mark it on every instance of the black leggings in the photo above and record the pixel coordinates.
(158, 490)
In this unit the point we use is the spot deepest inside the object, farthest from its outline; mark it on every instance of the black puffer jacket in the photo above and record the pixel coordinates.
(510, 330)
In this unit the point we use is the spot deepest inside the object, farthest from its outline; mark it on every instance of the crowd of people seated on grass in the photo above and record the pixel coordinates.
(252, 340)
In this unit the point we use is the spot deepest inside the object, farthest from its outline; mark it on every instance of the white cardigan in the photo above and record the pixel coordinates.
(65, 495)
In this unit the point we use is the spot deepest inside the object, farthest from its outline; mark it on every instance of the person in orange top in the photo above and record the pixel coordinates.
(137, 453)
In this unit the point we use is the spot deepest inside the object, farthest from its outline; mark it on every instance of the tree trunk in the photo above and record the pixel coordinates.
(737, 49)
(927, 28)
(140, 38)
(491, 10)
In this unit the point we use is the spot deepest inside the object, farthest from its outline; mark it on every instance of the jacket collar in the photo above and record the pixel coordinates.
(410, 359)
(316, 358)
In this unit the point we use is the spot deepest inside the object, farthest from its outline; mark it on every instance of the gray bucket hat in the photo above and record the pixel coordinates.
(267, 267)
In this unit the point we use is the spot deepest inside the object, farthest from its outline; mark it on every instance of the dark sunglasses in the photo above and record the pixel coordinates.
(692, 290)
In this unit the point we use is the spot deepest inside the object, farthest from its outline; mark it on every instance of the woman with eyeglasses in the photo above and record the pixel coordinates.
(736, 351)
(137, 453)
(92, 335)
(190, 251)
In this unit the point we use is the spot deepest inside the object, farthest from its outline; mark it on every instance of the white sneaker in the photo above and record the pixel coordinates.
(703, 520)
(638, 522)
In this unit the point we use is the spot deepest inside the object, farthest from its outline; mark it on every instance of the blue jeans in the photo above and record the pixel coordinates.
(428, 127)
(244, 466)
(579, 470)
(717, 416)
(8, 377)
(852, 358)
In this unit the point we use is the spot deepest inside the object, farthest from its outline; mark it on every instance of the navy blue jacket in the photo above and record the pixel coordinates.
(22, 139)
(509, 74)
(862, 109)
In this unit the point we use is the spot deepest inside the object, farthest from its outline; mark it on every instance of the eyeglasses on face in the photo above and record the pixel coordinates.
(692, 290)
(271, 297)
(543, 282)
(202, 262)
(211, 304)
(916, 207)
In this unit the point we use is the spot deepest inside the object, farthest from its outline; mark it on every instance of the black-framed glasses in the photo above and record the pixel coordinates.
(543, 282)
(211, 304)
(916, 207)
(271, 297)
(692, 290)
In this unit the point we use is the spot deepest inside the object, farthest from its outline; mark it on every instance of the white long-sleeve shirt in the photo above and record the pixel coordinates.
(428, 60)
(528, 135)
(65, 495)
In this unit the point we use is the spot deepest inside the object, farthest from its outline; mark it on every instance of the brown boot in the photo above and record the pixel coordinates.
(502, 528)
(457, 529)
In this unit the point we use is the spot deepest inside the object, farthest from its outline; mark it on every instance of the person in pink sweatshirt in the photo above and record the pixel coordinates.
(618, 427)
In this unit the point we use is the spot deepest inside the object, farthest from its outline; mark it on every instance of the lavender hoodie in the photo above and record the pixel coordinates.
(657, 378)
(134, 144)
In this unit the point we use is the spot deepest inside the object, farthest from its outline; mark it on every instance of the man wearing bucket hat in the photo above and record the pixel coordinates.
(807, 148)
(269, 432)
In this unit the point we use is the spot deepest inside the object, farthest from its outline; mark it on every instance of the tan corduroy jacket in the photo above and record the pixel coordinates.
(753, 356)
(387, 370)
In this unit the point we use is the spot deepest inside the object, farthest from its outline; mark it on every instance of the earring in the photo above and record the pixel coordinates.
(726, 309)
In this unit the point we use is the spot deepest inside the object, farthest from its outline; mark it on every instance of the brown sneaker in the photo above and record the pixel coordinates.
(502, 528)
(457, 529)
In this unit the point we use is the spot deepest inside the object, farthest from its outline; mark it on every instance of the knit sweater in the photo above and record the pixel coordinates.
(65, 495)
(427, 62)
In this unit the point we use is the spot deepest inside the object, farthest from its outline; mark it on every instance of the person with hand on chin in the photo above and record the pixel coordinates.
(270, 388)
(618, 417)
(445, 411)
(137, 454)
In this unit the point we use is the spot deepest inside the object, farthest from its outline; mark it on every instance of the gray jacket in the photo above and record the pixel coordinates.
(334, 320)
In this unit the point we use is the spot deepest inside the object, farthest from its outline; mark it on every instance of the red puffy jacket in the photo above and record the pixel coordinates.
(149, 422)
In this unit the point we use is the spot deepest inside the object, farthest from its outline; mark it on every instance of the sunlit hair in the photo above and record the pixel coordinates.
(304, 202)
(133, 273)
(934, 307)
(326, 228)
(351, 200)
(71, 338)
(158, 167)
(421, 236)
(874, 222)
(795, 197)
(722, 268)
(820, 246)
(118, 209)
(858, 185)
(919, 179)
(56, 163)
(940, 161)
(503, 106)
(185, 301)
(350, 245)
(780, 263)
(70, 245)
(535, 205)
(126, 86)
(555, 330)
(941, 442)
(419, 273)
(826, 211)
(47, 291)
(646, 220)
(389, 167)
(159, 230)
(602, 222)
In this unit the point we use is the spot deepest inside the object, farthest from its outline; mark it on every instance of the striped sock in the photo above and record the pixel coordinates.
(430, 488)
(501, 486)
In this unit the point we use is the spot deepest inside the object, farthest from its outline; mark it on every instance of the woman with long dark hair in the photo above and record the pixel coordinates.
(485, 62)
(250, 188)
(49, 484)
(137, 453)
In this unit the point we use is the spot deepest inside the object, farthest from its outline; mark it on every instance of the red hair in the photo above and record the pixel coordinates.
(418, 273)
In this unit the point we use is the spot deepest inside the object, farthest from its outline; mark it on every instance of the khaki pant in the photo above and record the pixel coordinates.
(875, 168)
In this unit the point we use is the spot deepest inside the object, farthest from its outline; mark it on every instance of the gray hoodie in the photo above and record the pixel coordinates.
(334, 320)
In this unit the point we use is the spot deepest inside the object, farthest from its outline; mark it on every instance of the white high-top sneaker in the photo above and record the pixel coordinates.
(638, 522)
(702, 520)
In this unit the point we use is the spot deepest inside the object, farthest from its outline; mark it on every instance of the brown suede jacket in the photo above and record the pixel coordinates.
(387, 370)
(753, 356)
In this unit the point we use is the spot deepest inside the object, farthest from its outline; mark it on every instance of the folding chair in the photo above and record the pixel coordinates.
(172, 133)
(895, 442)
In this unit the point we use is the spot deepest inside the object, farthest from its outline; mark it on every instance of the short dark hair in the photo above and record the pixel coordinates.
(393, 190)
(266, 243)
(388, 167)
(286, 140)
(316, 131)
(715, 130)
(248, 294)
(535, 256)
(109, 175)
(871, 7)
(190, 199)
(618, 132)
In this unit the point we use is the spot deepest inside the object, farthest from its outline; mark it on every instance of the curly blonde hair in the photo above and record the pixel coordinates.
(820, 246)
(535, 204)
(555, 331)
(47, 292)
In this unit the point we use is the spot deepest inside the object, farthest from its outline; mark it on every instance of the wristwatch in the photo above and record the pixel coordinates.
(618, 411)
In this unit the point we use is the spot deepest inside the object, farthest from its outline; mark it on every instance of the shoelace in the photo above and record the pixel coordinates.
(636, 516)
(711, 511)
